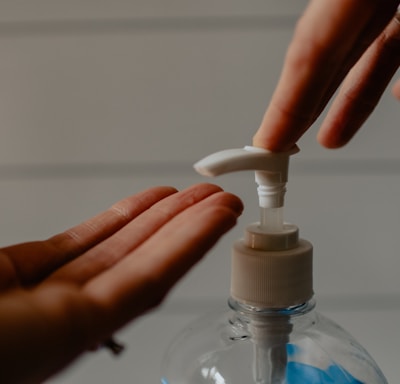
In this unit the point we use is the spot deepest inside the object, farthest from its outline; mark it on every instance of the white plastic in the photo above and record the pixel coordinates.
(271, 170)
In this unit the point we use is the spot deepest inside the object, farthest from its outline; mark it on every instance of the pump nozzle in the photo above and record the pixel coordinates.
(274, 164)
(271, 173)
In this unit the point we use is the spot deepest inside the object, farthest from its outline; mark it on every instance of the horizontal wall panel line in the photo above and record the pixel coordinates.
(143, 25)
(357, 166)
(94, 170)
(113, 170)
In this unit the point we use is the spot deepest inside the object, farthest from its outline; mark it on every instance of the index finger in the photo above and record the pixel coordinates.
(328, 40)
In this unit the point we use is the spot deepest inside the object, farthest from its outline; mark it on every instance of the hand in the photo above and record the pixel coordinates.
(61, 296)
(354, 40)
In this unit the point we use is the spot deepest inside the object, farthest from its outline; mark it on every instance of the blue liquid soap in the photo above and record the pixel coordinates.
(297, 373)
(271, 333)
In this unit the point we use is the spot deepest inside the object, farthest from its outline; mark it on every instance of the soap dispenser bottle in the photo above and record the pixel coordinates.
(271, 333)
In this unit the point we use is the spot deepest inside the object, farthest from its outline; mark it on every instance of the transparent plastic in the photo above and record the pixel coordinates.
(247, 345)
(271, 219)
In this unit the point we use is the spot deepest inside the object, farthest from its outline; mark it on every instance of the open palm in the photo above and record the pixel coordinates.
(60, 296)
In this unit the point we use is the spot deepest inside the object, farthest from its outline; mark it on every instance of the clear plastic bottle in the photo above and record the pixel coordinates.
(248, 345)
(271, 334)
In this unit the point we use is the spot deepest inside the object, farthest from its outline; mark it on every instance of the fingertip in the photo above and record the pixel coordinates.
(258, 141)
(274, 141)
(396, 90)
(234, 203)
(330, 142)
(225, 200)
(239, 207)
(222, 219)
(335, 134)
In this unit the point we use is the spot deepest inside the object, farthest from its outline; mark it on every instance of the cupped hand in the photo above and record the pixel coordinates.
(354, 41)
(61, 296)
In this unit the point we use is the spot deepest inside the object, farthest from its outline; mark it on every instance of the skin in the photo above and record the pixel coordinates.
(355, 43)
(61, 296)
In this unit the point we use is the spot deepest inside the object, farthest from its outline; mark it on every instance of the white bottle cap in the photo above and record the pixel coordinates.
(272, 270)
(271, 267)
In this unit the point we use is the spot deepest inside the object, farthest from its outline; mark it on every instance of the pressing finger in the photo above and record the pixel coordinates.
(362, 88)
(322, 49)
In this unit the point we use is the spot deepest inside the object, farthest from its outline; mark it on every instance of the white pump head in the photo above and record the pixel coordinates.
(271, 174)
(271, 266)
(271, 170)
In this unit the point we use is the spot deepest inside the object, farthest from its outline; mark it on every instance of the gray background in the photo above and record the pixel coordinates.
(100, 99)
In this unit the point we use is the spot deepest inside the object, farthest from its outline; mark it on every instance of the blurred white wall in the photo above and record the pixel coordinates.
(100, 99)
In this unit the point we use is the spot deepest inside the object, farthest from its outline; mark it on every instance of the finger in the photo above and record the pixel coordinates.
(328, 39)
(132, 235)
(396, 90)
(29, 262)
(362, 88)
(379, 20)
(142, 279)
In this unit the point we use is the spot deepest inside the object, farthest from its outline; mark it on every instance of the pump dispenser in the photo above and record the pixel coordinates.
(277, 265)
(272, 335)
